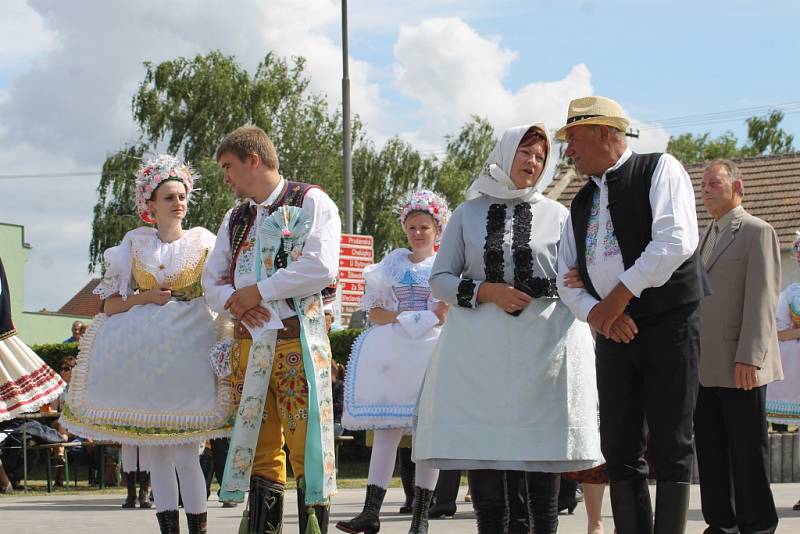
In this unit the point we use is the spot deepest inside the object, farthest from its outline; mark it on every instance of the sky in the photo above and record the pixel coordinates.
(418, 68)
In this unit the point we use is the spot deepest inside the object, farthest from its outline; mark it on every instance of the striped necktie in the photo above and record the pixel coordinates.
(710, 242)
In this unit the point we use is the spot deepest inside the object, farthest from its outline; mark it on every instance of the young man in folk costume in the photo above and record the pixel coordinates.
(270, 283)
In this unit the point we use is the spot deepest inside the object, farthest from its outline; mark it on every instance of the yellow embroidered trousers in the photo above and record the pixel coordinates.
(285, 409)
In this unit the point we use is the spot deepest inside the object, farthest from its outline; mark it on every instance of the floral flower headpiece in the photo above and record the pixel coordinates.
(796, 244)
(427, 201)
(153, 173)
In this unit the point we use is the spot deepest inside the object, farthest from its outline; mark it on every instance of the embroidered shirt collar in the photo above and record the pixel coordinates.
(620, 162)
(272, 196)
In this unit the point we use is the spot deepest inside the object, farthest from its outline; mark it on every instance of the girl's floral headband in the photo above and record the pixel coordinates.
(426, 201)
(156, 171)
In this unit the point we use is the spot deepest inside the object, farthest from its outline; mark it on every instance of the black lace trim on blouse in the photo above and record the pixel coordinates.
(493, 261)
(466, 290)
(522, 256)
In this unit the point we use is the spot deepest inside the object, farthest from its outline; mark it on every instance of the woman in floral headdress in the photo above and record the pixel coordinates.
(143, 376)
(388, 361)
(509, 341)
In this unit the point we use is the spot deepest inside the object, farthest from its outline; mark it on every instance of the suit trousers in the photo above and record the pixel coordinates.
(733, 460)
(652, 383)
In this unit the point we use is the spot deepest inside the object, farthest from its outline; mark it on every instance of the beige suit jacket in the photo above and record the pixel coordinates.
(744, 271)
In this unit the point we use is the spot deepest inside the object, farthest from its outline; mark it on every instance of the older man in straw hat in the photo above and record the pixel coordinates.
(632, 236)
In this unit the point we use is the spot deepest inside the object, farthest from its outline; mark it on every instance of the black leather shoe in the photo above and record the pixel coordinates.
(447, 509)
(368, 520)
(130, 482)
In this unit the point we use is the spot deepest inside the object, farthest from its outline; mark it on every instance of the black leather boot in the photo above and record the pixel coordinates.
(543, 501)
(519, 517)
(130, 482)
(265, 505)
(369, 519)
(672, 505)
(419, 516)
(630, 502)
(168, 522)
(198, 523)
(323, 513)
(444, 496)
(144, 490)
(488, 490)
(407, 478)
(568, 496)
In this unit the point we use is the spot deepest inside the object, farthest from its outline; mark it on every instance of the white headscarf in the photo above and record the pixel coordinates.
(494, 179)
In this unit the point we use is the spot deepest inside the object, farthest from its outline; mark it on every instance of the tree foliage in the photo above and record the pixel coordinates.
(764, 136)
(186, 106)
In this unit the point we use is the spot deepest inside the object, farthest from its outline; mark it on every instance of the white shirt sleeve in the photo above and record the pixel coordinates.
(578, 300)
(674, 230)
(318, 266)
(218, 266)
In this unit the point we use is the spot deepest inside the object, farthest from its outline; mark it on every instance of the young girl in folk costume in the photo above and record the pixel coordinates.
(388, 361)
(26, 382)
(143, 376)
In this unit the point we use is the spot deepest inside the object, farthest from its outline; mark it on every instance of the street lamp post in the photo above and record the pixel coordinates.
(347, 141)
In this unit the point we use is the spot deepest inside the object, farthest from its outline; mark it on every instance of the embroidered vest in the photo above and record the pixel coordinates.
(243, 217)
(632, 217)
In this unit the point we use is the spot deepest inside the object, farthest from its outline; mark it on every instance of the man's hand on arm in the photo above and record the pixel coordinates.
(244, 300)
(605, 314)
(746, 376)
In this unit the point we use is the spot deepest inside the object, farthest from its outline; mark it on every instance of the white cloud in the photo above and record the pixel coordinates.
(23, 36)
(465, 76)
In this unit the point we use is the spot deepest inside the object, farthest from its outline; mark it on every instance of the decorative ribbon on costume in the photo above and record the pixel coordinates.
(279, 241)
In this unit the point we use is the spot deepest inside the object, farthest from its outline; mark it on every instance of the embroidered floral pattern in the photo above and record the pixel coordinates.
(494, 263)
(246, 260)
(522, 255)
(593, 227)
(610, 244)
(292, 390)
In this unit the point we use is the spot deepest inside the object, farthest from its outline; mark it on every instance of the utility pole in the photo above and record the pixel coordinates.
(347, 148)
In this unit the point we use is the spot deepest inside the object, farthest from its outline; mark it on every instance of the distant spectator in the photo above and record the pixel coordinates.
(78, 329)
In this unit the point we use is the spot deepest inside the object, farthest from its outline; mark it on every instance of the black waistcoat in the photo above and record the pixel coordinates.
(632, 217)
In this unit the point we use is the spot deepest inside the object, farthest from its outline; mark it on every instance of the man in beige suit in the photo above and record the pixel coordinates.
(738, 357)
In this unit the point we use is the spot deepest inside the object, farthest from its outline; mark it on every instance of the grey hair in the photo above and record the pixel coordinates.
(618, 134)
(732, 169)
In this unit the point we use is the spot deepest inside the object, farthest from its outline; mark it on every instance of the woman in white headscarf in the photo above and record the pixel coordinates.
(525, 360)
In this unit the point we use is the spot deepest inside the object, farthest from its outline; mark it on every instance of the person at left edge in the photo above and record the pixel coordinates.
(250, 168)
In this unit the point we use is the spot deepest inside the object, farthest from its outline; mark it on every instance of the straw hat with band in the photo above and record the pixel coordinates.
(594, 110)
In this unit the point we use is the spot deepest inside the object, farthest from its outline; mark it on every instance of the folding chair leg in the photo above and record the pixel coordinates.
(49, 471)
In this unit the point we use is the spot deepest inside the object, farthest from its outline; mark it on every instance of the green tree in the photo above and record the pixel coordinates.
(381, 179)
(766, 136)
(465, 155)
(688, 148)
(187, 106)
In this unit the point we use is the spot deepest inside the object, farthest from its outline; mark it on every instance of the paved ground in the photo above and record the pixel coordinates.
(102, 514)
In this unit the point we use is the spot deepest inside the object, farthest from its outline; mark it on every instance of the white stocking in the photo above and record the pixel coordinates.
(425, 477)
(193, 483)
(163, 461)
(384, 453)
